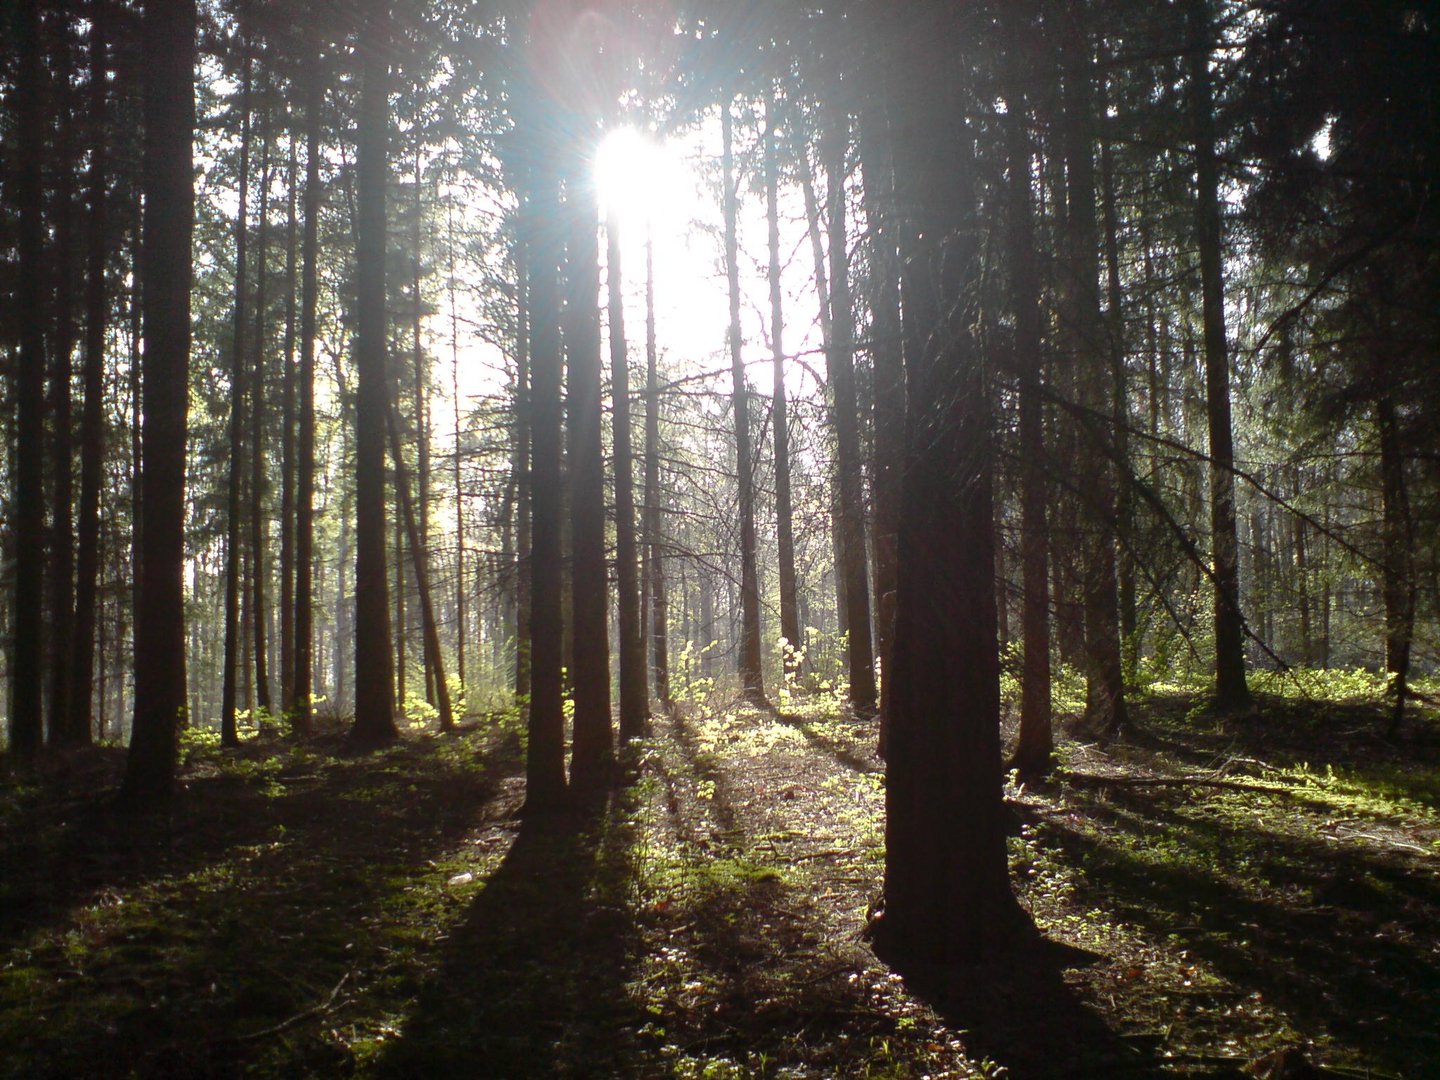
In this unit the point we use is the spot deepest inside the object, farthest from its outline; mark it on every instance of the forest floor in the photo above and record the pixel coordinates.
(1223, 895)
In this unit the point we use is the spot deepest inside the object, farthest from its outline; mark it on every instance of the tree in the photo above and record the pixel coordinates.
(1231, 691)
(168, 40)
(947, 895)
(374, 671)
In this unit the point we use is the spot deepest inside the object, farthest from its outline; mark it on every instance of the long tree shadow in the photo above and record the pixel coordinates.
(532, 980)
(173, 956)
(1341, 939)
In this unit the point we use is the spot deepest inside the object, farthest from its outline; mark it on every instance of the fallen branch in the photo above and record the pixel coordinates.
(300, 1017)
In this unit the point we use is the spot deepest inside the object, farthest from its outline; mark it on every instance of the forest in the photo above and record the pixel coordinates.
(684, 538)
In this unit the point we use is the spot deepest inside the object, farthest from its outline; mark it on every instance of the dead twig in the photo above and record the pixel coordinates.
(299, 1018)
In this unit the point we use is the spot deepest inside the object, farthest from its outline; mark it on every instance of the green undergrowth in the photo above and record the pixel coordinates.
(1220, 887)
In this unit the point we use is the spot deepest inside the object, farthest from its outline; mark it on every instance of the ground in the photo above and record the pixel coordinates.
(1213, 890)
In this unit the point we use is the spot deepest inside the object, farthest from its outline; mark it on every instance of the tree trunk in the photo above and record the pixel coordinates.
(460, 613)
(523, 467)
(784, 512)
(1231, 691)
(1398, 582)
(229, 733)
(654, 541)
(168, 43)
(374, 671)
(92, 419)
(305, 465)
(259, 474)
(27, 674)
(751, 676)
(840, 364)
(287, 441)
(947, 896)
(62, 520)
(543, 235)
(1035, 745)
(887, 363)
(593, 746)
(634, 694)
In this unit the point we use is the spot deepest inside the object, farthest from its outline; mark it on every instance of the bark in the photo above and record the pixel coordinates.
(259, 474)
(1231, 690)
(92, 419)
(840, 364)
(545, 752)
(239, 392)
(593, 746)
(654, 539)
(523, 475)
(751, 676)
(887, 363)
(168, 38)
(429, 628)
(1398, 571)
(287, 441)
(374, 671)
(305, 448)
(1035, 746)
(26, 685)
(947, 896)
(784, 511)
(460, 614)
(62, 521)
(634, 694)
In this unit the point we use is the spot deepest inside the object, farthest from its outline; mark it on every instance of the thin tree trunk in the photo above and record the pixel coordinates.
(1231, 691)
(634, 693)
(887, 363)
(287, 440)
(1398, 583)
(229, 733)
(840, 362)
(1035, 744)
(522, 468)
(92, 419)
(654, 542)
(784, 511)
(259, 474)
(27, 674)
(751, 675)
(305, 466)
(428, 626)
(460, 613)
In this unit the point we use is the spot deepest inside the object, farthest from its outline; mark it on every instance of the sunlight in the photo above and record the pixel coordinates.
(641, 180)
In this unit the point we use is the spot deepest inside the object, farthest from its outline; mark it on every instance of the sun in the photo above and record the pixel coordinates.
(641, 181)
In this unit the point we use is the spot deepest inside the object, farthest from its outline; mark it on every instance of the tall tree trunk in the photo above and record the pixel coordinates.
(634, 693)
(542, 232)
(840, 364)
(654, 541)
(423, 432)
(593, 738)
(402, 631)
(523, 468)
(168, 43)
(287, 436)
(751, 675)
(947, 896)
(27, 674)
(374, 670)
(259, 473)
(305, 465)
(62, 521)
(784, 511)
(1036, 742)
(229, 733)
(460, 613)
(92, 419)
(887, 363)
(1104, 668)
(1231, 691)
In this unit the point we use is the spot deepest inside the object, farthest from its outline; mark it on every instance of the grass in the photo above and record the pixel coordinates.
(309, 912)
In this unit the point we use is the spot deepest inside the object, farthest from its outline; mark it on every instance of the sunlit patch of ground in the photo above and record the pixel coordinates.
(1214, 890)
